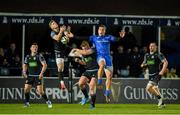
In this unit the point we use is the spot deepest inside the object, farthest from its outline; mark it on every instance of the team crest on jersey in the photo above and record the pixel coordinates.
(152, 57)
(34, 58)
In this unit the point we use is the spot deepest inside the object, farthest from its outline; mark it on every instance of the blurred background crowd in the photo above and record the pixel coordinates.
(127, 53)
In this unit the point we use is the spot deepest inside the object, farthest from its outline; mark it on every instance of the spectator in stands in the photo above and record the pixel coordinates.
(144, 50)
(3, 63)
(13, 59)
(127, 38)
(171, 73)
(135, 60)
(12, 56)
(3, 60)
(120, 61)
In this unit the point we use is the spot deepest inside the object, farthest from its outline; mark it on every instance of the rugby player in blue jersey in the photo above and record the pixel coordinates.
(101, 43)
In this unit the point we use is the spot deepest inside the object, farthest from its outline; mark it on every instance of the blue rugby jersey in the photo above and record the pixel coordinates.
(102, 43)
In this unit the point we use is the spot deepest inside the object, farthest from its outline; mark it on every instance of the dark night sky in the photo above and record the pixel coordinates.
(122, 7)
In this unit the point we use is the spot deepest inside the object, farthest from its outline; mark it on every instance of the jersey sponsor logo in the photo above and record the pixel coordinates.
(104, 41)
(32, 64)
(150, 62)
(88, 59)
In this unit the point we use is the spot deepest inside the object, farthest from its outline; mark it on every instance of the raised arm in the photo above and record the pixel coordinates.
(68, 32)
(58, 36)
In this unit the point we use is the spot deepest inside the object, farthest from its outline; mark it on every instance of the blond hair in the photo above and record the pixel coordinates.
(84, 43)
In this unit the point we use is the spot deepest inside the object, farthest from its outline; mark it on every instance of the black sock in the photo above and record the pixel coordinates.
(159, 97)
(45, 97)
(27, 97)
(60, 76)
(85, 92)
(93, 99)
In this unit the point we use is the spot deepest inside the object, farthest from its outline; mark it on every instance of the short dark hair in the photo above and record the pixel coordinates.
(34, 43)
(101, 25)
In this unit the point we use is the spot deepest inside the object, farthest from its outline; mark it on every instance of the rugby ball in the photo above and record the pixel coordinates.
(64, 40)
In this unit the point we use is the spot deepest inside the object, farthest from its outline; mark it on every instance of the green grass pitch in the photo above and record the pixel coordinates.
(100, 109)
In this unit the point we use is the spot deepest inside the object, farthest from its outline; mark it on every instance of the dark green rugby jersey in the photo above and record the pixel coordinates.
(90, 61)
(34, 64)
(58, 46)
(153, 61)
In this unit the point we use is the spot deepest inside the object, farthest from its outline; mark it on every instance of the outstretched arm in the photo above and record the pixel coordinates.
(84, 52)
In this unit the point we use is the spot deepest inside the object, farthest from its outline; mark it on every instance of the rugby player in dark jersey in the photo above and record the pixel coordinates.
(60, 36)
(157, 65)
(88, 59)
(35, 65)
